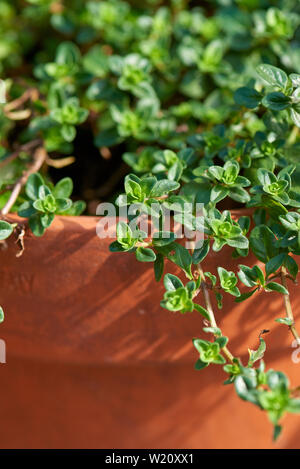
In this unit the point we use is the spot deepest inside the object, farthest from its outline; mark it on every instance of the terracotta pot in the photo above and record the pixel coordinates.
(94, 361)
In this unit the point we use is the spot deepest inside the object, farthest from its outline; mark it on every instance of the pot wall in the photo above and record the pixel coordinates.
(94, 361)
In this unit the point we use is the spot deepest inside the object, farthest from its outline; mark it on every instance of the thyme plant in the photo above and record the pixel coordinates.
(204, 104)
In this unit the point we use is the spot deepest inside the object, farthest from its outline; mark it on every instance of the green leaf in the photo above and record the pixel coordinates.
(182, 258)
(230, 174)
(291, 266)
(123, 231)
(191, 287)
(259, 274)
(265, 177)
(247, 276)
(164, 187)
(295, 117)
(273, 76)
(62, 205)
(26, 209)
(76, 208)
(67, 53)
(239, 194)
(213, 330)
(34, 182)
(215, 172)
(68, 132)
(44, 191)
(63, 188)
(199, 365)
(255, 355)
(46, 219)
(36, 225)
(219, 299)
(240, 242)
(277, 380)
(115, 246)
(145, 254)
(200, 254)
(6, 229)
(172, 282)
(175, 172)
(274, 286)
(202, 311)
(247, 97)
(211, 277)
(285, 321)
(133, 189)
(295, 77)
(276, 432)
(163, 238)
(245, 296)
(218, 193)
(273, 264)
(147, 183)
(276, 101)
(158, 266)
(293, 406)
(244, 388)
(222, 341)
(275, 208)
(1, 315)
(263, 243)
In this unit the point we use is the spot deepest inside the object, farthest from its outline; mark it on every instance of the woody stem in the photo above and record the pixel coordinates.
(38, 159)
(210, 311)
(288, 306)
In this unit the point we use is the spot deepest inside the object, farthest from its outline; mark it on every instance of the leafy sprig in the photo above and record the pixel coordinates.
(271, 232)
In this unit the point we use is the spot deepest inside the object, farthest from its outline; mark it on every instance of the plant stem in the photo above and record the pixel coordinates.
(30, 93)
(39, 157)
(288, 306)
(210, 311)
(23, 148)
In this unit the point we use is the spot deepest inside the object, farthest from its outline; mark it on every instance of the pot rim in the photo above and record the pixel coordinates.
(87, 218)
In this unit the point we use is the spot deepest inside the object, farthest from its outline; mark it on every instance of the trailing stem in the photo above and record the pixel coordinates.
(23, 148)
(210, 311)
(39, 157)
(288, 306)
(31, 93)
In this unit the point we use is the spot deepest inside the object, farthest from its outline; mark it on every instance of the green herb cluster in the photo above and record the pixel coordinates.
(260, 171)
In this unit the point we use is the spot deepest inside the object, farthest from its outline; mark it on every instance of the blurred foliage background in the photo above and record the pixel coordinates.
(101, 79)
